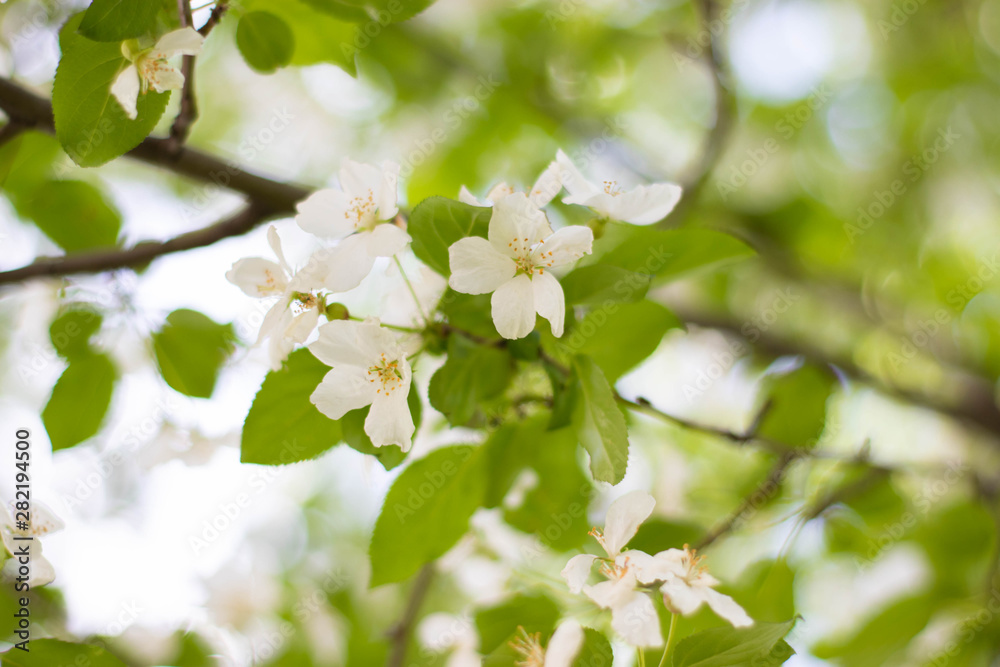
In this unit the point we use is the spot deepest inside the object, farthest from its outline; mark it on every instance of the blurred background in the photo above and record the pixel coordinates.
(854, 145)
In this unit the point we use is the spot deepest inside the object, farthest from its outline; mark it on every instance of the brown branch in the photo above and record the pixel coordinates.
(189, 108)
(400, 633)
(213, 19)
(140, 254)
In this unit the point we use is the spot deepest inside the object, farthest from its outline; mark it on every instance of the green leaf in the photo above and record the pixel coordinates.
(469, 312)
(599, 424)
(796, 406)
(118, 20)
(891, 630)
(79, 400)
(730, 647)
(373, 12)
(72, 330)
(669, 253)
(425, 512)
(595, 652)
(437, 222)
(620, 337)
(265, 41)
(535, 613)
(190, 350)
(657, 535)
(602, 284)
(283, 426)
(318, 37)
(353, 424)
(472, 375)
(51, 652)
(74, 214)
(767, 591)
(90, 124)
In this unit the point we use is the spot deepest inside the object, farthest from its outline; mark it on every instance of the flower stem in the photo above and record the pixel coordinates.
(670, 640)
(413, 292)
(394, 327)
(642, 657)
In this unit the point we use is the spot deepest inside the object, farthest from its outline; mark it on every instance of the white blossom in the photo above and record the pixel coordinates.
(513, 265)
(541, 193)
(564, 645)
(369, 367)
(148, 68)
(42, 522)
(642, 205)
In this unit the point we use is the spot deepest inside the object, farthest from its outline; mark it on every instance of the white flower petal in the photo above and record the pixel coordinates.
(514, 308)
(565, 246)
(637, 622)
(467, 197)
(579, 188)
(623, 520)
(644, 204)
(661, 567)
(499, 191)
(727, 608)
(386, 197)
(547, 186)
(577, 571)
(166, 78)
(126, 90)
(350, 263)
(386, 240)
(186, 41)
(343, 388)
(325, 213)
(680, 597)
(476, 266)
(276, 319)
(516, 225)
(258, 277)
(389, 422)
(44, 520)
(345, 342)
(565, 644)
(279, 347)
(550, 302)
(302, 325)
(274, 241)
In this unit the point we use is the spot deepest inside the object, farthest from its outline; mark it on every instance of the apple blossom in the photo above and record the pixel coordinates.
(642, 205)
(512, 264)
(564, 645)
(369, 367)
(42, 522)
(148, 68)
(296, 313)
(541, 193)
(359, 215)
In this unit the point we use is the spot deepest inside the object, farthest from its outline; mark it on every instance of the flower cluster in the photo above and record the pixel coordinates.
(148, 68)
(515, 263)
(16, 538)
(676, 573)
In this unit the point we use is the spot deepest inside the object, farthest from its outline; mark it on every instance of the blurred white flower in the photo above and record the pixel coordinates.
(148, 68)
(541, 193)
(369, 367)
(512, 264)
(359, 215)
(562, 650)
(442, 632)
(296, 313)
(22, 541)
(642, 205)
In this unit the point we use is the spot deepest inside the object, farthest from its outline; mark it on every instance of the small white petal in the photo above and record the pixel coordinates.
(302, 325)
(514, 308)
(44, 520)
(623, 520)
(325, 213)
(167, 78)
(727, 608)
(547, 186)
(499, 191)
(565, 246)
(276, 319)
(550, 302)
(350, 263)
(579, 188)
(467, 197)
(644, 204)
(186, 41)
(476, 266)
(258, 277)
(577, 571)
(517, 224)
(386, 240)
(389, 422)
(680, 597)
(343, 388)
(353, 343)
(565, 644)
(279, 347)
(387, 196)
(661, 567)
(637, 622)
(274, 241)
(126, 90)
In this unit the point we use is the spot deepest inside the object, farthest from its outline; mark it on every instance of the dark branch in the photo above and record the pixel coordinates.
(213, 19)
(400, 634)
(189, 108)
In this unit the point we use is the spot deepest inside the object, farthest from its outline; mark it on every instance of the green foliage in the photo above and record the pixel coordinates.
(190, 350)
(265, 41)
(425, 512)
(353, 425)
(760, 644)
(796, 406)
(599, 424)
(879, 638)
(496, 625)
(436, 223)
(79, 400)
(595, 652)
(767, 591)
(50, 652)
(72, 330)
(118, 20)
(382, 12)
(656, 535)
(472, 376)
(283, 426)
(90, 124)
(317, 36)
(602, 284)
(74, 214)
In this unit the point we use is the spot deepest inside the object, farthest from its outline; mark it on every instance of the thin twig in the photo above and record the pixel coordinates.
(213, 19)
(189, 108)
(400, 633)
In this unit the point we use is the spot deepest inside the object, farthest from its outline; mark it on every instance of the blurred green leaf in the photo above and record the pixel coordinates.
(534, 613)
(118, 20)
(52, 652)
(731, 647)
(265, 41)
(668, 254)
(796, 406)
(875, 642)
(79, 400)
(318, 37)
(72, 330)
(599, 423)
(190, 350)
(436, 223)
(74, 214)
(602, 284)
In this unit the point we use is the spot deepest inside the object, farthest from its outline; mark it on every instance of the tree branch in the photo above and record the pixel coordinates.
(189, 107)
(213, 19)
(400, 634)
